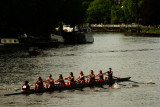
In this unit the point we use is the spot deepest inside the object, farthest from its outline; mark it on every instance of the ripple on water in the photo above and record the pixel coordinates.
(137, 57)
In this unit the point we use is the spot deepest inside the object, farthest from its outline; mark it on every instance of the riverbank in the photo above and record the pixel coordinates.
(145, 31)
(129, 29)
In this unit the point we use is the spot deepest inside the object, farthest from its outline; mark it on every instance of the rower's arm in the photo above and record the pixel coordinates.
(56, 81)
(110, 73)
(97, 75)
(87, 76)
(92, 75)
(82, 77)
(78, 78)
(70, 78)
(33, 83)
(66, 78)
(104, 73)
(45, 80)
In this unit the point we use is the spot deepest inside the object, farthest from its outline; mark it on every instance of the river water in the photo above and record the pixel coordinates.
(137, 57)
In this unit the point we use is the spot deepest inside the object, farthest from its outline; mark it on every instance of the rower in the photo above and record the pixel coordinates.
(110, 81)
(110, 74)
(50, 82)
(100, 75)
(70, 79)
(91, 77)
(60, 81)
(81, 78)
(25, 86)
(38, 84)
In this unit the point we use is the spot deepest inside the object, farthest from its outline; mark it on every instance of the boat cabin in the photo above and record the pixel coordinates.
(85, 30)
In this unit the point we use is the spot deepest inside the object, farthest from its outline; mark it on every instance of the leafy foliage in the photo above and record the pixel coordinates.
(117, 15)
(99, 11)
(132, 9)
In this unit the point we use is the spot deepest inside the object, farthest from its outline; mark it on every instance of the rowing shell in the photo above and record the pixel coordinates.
(75, 86)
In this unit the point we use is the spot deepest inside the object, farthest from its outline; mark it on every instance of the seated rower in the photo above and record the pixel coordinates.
(70, 79)
(81, 78)
(50, 82)
(91, 77)
(60, 80)
(38, 84)
(25, 86)
(110, 74)
(100, 75)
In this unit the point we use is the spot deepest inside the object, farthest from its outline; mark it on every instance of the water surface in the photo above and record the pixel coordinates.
(138, 57)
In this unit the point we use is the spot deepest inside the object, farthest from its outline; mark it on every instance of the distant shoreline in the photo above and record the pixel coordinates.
(142, 34)
(141, 31)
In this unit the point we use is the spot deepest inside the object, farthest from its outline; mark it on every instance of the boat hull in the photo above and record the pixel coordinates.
(76, 86)
(77, 37)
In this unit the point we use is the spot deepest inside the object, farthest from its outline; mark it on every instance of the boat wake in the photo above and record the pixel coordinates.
(116, 86)
(150, 82)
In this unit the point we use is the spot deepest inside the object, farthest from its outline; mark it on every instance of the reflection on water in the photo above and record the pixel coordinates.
(137, 57)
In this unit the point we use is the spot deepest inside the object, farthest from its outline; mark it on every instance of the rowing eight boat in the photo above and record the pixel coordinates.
(75, 86)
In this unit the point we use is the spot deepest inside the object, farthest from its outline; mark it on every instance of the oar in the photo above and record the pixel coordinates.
(141, 82)
(16, 89)
(122, 84)
(134, 82)
(116, 77)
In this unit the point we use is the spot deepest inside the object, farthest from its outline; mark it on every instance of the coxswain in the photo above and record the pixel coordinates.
(60, 80)
(49, 82)
(81, 78)
(70, 79)
(25, 86)
(100, 75)
(38, 84)
(91, 77)
(109, 73)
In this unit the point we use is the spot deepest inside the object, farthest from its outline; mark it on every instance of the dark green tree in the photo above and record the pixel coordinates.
(99, 11)
(85, 5)
(117, 15)
(132, 10)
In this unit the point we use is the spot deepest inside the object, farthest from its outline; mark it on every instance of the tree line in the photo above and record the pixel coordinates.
(39, 17)
(127, 11)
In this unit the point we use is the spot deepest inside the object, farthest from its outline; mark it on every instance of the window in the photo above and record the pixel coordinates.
(4, 41)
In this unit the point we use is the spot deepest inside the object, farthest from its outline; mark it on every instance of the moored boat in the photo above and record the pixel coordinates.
(34, 51)
(8, 44)
(77, 35)
(75, 86)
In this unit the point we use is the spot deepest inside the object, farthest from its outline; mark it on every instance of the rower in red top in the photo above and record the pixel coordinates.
(38, 84)
(25, 86)
(100, 75)
(81, 78)
(110, 74)
(91, 77)
(60, 81)
(70, 79)
(49, 82)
